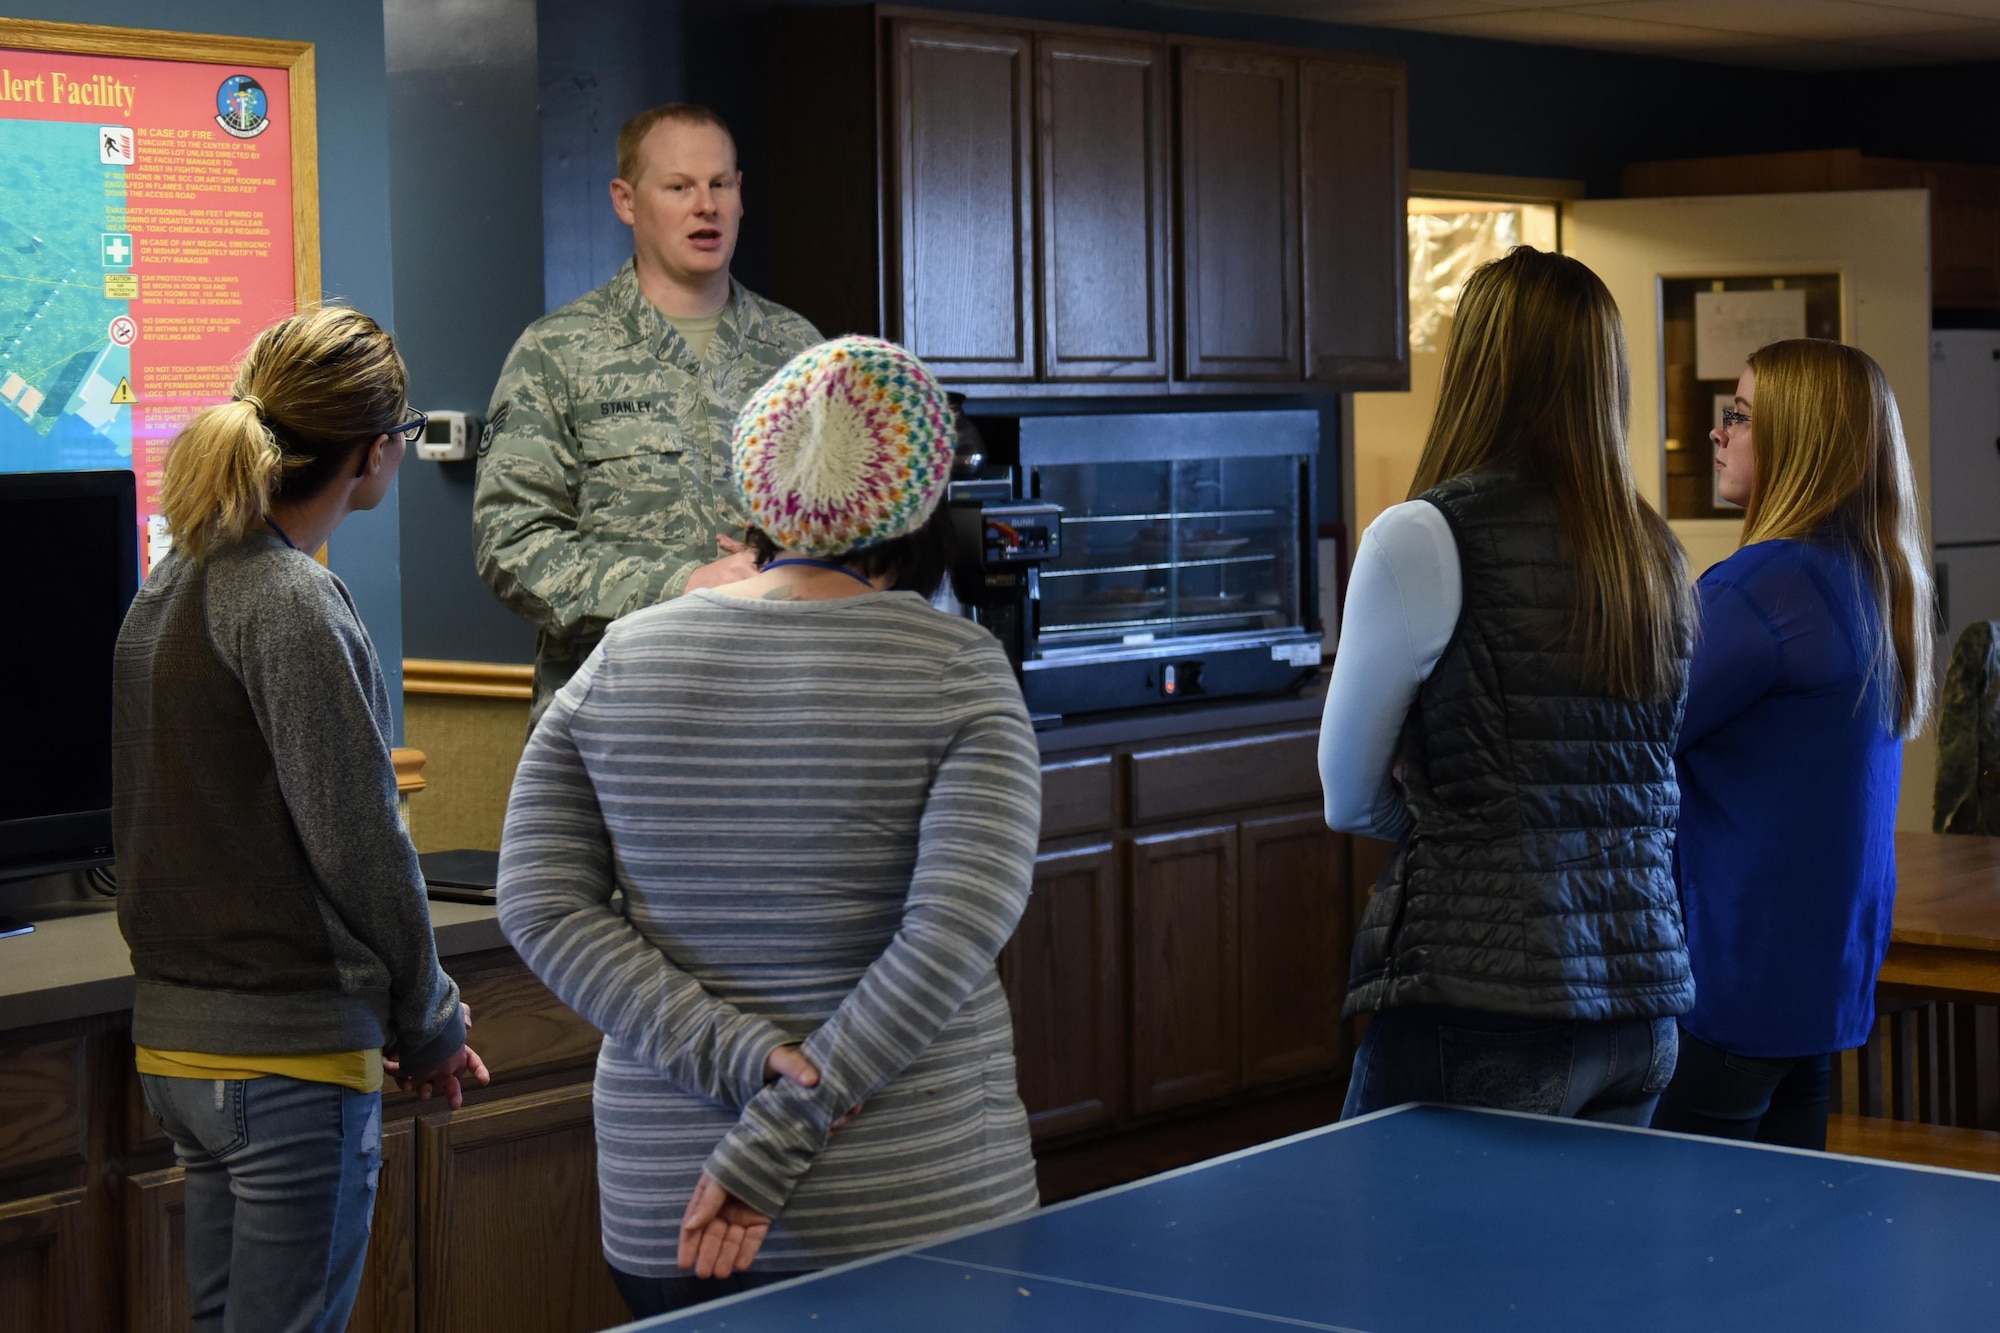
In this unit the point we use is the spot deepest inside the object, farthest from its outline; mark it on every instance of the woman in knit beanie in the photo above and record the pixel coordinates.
(820, 798)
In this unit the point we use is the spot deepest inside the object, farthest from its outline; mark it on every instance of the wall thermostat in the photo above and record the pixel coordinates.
(449, 437)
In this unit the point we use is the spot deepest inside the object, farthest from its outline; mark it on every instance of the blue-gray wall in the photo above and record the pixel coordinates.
(600, 63)
(465, 185)
(354, 218)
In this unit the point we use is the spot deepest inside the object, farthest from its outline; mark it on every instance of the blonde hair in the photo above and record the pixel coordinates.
(1831, 463)
(634, 131)
(311, 391)
(1535, 380)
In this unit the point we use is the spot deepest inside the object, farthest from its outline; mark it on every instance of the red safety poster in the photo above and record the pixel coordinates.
(145, 236)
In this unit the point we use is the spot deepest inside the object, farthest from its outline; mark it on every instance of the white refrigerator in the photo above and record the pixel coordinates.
(1965, 477)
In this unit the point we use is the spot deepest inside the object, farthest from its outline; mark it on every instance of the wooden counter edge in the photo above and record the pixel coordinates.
(1972, 973)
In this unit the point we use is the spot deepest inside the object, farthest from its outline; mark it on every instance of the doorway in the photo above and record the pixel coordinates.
(1456, 223)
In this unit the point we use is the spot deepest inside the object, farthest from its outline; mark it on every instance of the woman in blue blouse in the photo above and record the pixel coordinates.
(1814, 661)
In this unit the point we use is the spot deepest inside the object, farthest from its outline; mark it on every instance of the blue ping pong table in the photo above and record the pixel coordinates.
(1424, 1219)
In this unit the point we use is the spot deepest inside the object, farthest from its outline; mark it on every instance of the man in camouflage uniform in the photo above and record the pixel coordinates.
(604, 480)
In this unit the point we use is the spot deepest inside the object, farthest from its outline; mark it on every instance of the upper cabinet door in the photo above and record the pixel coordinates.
(961, 198)
(1356, 246)
(1103, 201)
(1239, 216)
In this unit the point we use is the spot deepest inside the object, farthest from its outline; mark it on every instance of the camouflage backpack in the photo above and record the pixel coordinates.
(1968, 773)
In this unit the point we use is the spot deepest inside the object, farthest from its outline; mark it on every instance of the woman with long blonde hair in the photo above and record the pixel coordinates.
(1814, 663)
(1503, 705)
(267, 889)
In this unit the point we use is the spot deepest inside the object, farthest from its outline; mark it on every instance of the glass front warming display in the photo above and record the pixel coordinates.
(1186, 568)
(1168, 548)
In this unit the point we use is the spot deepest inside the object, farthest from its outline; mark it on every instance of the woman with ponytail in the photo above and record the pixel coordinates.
(1814, 663)
(1503, 705)
(268, 892)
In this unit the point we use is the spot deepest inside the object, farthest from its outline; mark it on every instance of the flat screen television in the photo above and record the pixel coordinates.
(69, 554)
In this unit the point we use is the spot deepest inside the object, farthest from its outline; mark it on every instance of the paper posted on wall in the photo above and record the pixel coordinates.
(1729, 326)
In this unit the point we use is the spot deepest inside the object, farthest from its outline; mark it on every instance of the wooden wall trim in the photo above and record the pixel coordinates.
(409, 769)
(468, 680)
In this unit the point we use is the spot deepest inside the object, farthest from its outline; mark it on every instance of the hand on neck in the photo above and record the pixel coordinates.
(682, 296)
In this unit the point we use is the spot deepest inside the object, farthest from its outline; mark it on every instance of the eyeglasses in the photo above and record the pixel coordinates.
(413, 429)
(1732, 419)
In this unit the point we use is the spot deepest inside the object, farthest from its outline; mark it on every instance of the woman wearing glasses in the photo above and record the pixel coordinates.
(270, 897)
(1814, 661)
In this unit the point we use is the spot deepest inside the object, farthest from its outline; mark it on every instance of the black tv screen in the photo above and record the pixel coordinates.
(69, 549)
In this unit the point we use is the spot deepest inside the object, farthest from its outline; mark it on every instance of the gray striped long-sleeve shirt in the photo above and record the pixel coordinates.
(822, 816)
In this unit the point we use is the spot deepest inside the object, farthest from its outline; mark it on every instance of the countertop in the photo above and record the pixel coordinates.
(78, 966)
(1947, 891)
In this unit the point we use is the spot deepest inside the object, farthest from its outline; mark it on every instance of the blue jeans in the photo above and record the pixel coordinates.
(1728, 1096)
(1611, 1070)
(280, 1194)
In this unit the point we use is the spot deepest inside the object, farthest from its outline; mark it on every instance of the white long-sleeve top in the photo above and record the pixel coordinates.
(1403, 600)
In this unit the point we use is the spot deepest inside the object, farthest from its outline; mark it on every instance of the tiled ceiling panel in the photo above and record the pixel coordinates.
(1786, 34)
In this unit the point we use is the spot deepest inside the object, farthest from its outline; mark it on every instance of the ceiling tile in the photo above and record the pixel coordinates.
(1402, 13)
(1979, 44)
(1811, 56)
(1567, 28)
(1388, 13)
(1978, 9)
(1788, 34)
(1804, 20)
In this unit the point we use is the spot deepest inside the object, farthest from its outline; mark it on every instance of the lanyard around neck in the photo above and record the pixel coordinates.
(863, 579)
(272, 524)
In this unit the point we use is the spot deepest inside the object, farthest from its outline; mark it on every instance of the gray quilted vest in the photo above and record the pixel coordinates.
(1538, 878)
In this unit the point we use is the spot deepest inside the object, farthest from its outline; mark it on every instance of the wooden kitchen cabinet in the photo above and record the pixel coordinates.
(1239, 216)
(44, 1264)
(1295, 943)
(963, 211)
(156, 1290)
(1065, 979)
(507, 1229)
(1186, 941)
(1355, 204)
(1063, 210)
(1185, 968)
(1102, 196)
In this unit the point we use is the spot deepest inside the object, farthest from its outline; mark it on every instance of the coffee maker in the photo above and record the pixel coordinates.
(1001, 545)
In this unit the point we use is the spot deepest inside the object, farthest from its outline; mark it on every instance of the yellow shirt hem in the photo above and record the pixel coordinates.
(359, 1070)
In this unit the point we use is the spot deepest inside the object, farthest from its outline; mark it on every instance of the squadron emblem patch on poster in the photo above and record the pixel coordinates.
(241, 108)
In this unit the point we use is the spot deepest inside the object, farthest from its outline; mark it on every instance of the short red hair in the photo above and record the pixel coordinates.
(636, 129)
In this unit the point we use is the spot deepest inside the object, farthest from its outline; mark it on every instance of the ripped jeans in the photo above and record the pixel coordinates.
(1612, 1070)
(280, 1193)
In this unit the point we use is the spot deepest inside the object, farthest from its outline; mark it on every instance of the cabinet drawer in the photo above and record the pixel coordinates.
(1254, 772)
(1077, 797)
(43, 1120)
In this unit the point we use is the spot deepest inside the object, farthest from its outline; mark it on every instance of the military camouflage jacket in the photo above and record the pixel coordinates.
(604, 469)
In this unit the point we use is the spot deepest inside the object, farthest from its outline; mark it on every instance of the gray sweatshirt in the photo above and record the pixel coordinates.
(268, 891)
(822, 816)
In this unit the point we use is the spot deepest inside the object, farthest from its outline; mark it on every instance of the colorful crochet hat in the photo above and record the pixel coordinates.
(848, 446)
